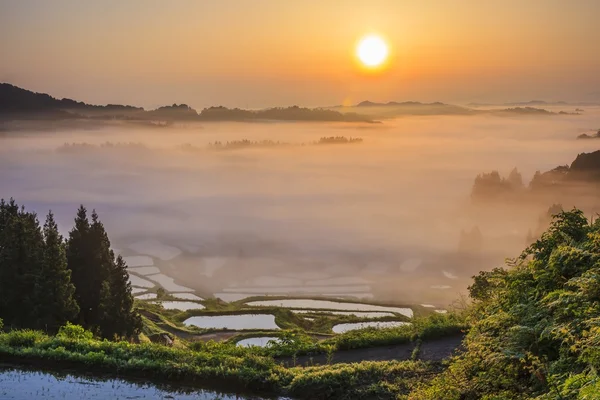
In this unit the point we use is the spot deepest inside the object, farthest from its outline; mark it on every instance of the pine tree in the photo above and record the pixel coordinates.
(102, 284)
(8, 212)
(21, 255)
(119, 318)
(54, 291)
(87, 271)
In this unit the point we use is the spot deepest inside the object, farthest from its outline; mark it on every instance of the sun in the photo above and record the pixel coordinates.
(372, 51)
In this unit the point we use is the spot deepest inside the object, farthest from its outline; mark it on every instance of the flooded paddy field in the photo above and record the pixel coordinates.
(341, 328)
(234, 322)
(17, 383)
(258, 341)
(330, 305)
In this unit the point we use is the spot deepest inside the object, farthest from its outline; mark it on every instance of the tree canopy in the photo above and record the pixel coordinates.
(46, 282)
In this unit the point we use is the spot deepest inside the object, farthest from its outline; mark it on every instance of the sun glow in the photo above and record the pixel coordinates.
(372, 51)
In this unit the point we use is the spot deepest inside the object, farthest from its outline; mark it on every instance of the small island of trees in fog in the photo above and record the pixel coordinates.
(217, 145)
(583, 174)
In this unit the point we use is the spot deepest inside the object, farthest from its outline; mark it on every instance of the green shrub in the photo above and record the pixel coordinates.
(74, 332)
(24, 338)
(535, 328)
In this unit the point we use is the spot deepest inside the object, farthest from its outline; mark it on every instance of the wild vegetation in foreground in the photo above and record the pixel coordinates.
(210, 363)
(535, 327)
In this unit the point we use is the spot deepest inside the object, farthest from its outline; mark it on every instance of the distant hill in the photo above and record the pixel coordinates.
(174, 112)
(293, 113)
(368, 103)
(555, 184)
(18, 103)
(16, 99)
(534, 103)
(395, 109)
(595, 135)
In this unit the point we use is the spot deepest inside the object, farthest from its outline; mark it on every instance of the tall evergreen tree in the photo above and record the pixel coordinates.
(8, 213)
(21, 257)
(101, 284)
(87, 271)
(55, 302)
(118, 317)
(43, 285)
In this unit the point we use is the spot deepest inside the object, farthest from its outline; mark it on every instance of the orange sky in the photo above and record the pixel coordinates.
(257, 53)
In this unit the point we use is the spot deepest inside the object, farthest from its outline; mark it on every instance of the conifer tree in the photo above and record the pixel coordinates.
(119, 318)
(102, 283)
(54, 291)
(21, 255)
(87, 271)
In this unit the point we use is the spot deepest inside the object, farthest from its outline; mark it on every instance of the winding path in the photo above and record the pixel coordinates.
(432, 350)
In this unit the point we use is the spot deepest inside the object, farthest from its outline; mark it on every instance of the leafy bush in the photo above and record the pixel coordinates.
(536, 327)
(74, 332)
(23, 338)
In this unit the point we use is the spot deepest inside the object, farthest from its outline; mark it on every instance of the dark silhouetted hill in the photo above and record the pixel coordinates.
(590, 136)
(586, 162)
(174, 112)
(18, 103)
(293, 113)
(23, 103)
(534, 103)
(395, 109)
(582, 174)
(368, 103)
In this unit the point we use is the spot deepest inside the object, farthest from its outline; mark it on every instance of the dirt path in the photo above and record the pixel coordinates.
(437, 350)
(434, 350)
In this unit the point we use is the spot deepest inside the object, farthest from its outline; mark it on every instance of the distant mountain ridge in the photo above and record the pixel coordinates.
(531, 103)
(13, 98)
(21, 104)
(18, 103)
(368, 103)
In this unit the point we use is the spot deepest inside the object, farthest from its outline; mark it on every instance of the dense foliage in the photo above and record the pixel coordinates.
(46, 282)
(103, 290)
(35, 286)
(536, 326)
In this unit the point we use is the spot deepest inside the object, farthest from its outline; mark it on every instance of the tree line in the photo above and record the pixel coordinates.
(47, 281)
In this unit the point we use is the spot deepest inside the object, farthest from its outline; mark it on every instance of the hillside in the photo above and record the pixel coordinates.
(17, 100)
(583, 173)
(394, 109)
(535, 331)
(21, 104)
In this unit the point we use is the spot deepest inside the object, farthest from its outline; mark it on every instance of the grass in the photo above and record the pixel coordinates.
(298, 342)
(424, 328)
(219, 363)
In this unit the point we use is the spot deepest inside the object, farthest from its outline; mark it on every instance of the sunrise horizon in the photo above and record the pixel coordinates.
(257, 57)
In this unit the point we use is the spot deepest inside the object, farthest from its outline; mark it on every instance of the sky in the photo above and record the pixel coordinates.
(264, 53)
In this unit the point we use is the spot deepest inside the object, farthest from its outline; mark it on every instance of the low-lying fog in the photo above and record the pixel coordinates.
(381, 218)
